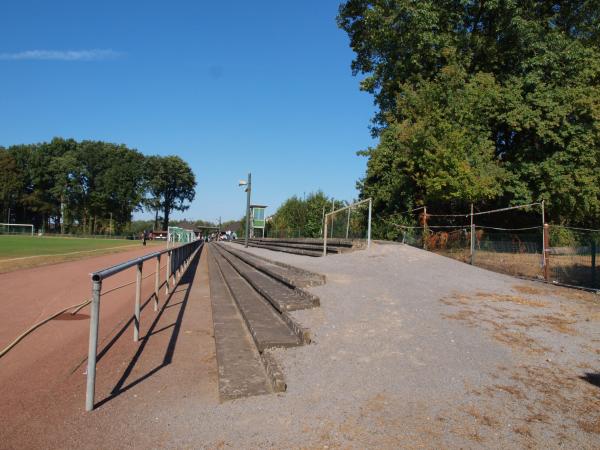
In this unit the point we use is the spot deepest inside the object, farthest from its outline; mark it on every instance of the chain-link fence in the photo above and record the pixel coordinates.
(554, 253)
(350, 222)
(573, 255)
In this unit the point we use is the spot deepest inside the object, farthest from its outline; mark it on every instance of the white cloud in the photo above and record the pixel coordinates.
(61, 55)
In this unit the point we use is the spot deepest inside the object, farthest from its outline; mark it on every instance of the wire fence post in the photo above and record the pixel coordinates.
(138, 297)
(593, 245)
(369, 223)
(93, 345)
(325, 237)
(543, 238)
(472, 258)
(546, 249)
(156, 283)
(425, 229)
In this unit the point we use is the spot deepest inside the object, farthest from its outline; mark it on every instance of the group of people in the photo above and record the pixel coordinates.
(223, 236)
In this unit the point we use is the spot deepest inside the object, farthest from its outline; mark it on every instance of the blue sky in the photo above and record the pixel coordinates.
(231, 87)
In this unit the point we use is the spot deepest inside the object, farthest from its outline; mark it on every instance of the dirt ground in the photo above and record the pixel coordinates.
(42, 380)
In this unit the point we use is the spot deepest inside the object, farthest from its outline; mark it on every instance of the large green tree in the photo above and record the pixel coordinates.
(491, 102)
(302, 216)
(10, 183)
(84, 187)
(171, 186)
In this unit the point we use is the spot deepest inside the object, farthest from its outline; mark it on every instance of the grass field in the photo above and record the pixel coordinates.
(19, 252)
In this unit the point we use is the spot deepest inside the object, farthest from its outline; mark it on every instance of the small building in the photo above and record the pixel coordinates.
(158, 235)
(257, 219)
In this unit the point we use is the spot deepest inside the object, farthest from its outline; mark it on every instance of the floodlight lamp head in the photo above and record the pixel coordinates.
(242, 183)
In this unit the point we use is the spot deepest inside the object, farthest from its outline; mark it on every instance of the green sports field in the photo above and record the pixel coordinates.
(24, 246)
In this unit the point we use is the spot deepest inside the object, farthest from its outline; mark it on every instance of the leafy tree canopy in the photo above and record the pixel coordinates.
(490, 102)
(302, 216)
(89, 186)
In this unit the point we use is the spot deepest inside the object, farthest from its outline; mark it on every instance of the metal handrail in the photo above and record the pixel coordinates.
(178, 259)
(112, 270)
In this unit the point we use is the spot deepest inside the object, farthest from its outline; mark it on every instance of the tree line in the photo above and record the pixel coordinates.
(90, 187)
(302, 217)
(490, 103)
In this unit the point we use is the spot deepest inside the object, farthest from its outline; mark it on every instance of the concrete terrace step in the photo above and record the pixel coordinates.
(310, 241)
(281, 296)
(295, 251)
(241, 370)
(303, 246)
(266, 325)
(289, 275)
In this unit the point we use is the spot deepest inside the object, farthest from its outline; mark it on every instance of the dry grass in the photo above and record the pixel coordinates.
(569, 269)
(556, 323)
(590, 426)
(511, 390)
(519, 341)
(553, 395)
(510, 299)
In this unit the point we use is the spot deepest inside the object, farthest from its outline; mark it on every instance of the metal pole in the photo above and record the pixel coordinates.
(425, 233)
(156, 283)
(348, 223)
(325, 238)
(332, 209)
(93, 345)
(546, 248)
(543, 235)
(593, 266)
(138, 297)
(248, 190)
(369, 224)
(472, 236)
(168, 278)
(323, 222)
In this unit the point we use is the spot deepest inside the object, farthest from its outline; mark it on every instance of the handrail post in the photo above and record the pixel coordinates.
(168, 278)
(156, 283)
(93, 345)
(138, 296)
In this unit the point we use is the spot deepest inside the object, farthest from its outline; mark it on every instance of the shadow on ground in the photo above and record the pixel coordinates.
(185, 285)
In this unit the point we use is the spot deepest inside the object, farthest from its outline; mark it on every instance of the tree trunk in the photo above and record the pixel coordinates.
(156, 220)
(166, 219)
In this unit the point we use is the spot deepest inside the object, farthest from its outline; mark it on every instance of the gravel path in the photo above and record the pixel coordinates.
(413, 349)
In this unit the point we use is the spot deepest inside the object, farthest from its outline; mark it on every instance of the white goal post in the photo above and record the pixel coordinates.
(16, 228)
(368, 201)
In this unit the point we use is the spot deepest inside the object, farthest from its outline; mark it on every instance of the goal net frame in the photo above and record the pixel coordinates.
(349, 207)
(7, 226)
(178, 235)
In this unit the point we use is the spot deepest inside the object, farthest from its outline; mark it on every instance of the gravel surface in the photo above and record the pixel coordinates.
(413, 349)
(410, 350)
